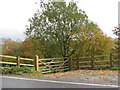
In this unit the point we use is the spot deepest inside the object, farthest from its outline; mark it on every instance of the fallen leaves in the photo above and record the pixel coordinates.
(101, 77)
(91, 72)
(33, 74)
(88, 72)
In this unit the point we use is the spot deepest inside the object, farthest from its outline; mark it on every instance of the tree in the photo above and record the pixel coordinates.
(115, 45)
(116, 31)
(10, 47)
(64, 30)
(96, 42)
(31, 47)
(57, 24)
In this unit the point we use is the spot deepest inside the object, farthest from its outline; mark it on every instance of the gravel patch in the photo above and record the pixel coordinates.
(88, 76)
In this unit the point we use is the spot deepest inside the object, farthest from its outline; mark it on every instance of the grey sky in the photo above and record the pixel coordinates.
(14, 15)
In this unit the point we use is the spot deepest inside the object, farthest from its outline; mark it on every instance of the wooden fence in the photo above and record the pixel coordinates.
(18, 59)
(64, 64)
(95, 62)
(43, 65)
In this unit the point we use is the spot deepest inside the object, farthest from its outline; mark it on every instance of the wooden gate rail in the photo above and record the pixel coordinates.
(52, 64)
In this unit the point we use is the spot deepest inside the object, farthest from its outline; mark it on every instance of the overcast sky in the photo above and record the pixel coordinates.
(14, 15)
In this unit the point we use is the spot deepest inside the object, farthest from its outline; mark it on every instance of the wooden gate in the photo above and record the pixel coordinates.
(52, 65)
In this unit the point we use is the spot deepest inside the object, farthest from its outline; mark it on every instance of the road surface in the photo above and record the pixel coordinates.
(27, 82)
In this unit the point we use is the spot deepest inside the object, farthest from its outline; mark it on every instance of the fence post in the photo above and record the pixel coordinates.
(70, 63)
(36, 65)
(111, 60)
(77, 64)
(18, 61)
(92, 62)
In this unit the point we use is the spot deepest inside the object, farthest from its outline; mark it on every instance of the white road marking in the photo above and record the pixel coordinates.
(62, 82)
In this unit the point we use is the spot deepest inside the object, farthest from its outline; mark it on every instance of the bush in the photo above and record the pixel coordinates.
(16, 69)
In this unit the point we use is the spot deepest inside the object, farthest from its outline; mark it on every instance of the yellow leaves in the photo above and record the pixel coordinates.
(88, 72)
(70, 33)
(9, 46)
(93, 40)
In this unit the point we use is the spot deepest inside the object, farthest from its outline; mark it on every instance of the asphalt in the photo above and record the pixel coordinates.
(25, 82)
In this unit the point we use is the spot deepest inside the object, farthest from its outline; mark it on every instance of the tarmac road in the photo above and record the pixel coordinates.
(27, 82)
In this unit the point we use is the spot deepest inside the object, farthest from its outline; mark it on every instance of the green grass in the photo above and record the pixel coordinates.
(16, 69)
(115, 68)
(108, 68)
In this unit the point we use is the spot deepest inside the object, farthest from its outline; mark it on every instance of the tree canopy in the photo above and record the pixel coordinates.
(64, 30)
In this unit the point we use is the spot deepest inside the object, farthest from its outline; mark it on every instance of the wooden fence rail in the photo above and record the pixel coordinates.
(92, 62)
(18, 59)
